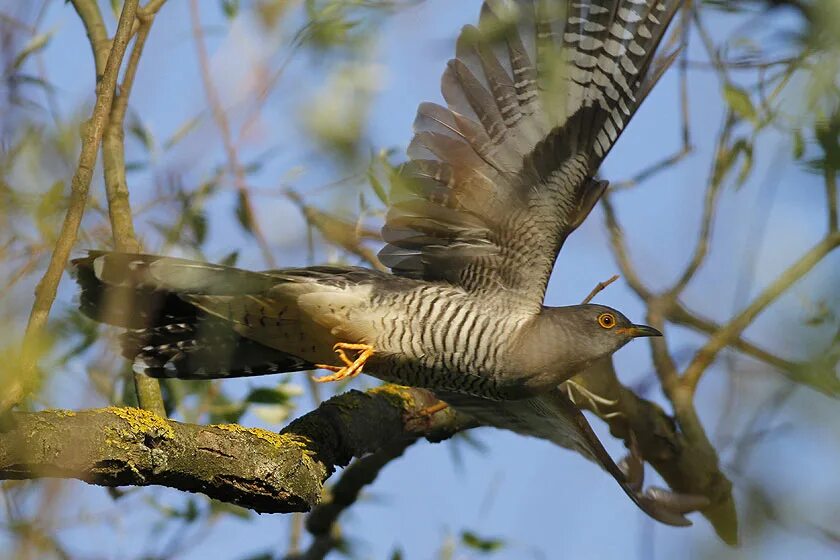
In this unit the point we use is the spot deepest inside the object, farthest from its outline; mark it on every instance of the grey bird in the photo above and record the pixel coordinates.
(536, 97)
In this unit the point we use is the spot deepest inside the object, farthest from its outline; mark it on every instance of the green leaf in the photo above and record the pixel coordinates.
(230, 509)
(182, 131)
(798, 144)
(142, 134)
(243, 214)
(230, 259)
(740, 102)
(230, 8)
(473, 541)
(267, 396)
(198, 222)
(745, 148)
(378, 188)
(35, 44)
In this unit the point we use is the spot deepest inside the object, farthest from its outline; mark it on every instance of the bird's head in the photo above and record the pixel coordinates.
(600, 329)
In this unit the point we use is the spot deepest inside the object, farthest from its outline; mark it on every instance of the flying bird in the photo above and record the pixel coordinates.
(536, 96)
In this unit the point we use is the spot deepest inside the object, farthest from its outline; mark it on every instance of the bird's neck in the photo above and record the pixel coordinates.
(550, 348)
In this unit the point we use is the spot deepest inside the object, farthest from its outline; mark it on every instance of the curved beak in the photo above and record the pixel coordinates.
(641, 330)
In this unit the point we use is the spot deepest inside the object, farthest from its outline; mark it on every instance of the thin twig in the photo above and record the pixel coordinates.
(235, 168)
(831, 195)
(709, 205)
(651, 170)
(680, 315)
(685, 29)
(620, 250)
(733, 329)
(116, 188)
(46, 290)
(599, 288)
(362, 472)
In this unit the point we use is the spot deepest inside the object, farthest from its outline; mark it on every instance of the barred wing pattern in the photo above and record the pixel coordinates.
(537, 95)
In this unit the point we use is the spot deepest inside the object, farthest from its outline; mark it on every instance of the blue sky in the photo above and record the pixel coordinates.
(544, 501)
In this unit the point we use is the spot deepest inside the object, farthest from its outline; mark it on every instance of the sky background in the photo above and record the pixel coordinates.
(543, 501)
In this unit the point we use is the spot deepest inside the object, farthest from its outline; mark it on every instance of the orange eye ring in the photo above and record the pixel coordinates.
(606, 320)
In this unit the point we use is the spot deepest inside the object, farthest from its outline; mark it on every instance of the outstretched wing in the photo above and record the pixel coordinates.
(537, 95)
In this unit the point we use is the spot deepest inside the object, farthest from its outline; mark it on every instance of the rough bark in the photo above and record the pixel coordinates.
(261, 470)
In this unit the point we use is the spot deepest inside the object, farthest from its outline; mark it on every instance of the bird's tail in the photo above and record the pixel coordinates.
(168, 336)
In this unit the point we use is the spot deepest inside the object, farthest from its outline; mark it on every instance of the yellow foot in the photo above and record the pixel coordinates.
(351, 368)
(422, 419)
(429, 410)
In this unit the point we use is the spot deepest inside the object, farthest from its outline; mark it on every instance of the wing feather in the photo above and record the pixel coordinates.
(536, 96)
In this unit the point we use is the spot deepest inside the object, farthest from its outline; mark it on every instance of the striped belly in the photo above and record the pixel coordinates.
(441, 338)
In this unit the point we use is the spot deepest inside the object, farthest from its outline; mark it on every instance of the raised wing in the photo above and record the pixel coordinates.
(537, 95)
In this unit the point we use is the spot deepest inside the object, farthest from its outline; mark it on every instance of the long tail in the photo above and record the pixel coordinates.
(168, 336)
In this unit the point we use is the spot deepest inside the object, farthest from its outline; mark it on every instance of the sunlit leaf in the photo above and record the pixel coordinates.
(243, 212)
(230, 8)
(740, 102)
(182, 131)
(34, 45)
(481, 544)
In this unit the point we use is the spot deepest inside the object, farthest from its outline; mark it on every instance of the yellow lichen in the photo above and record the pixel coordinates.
(63, 413)
(279, 441)
(143, 421)
(399, 395)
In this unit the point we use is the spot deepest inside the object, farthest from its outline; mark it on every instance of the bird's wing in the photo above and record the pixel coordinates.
(552, 416)
(537, 95)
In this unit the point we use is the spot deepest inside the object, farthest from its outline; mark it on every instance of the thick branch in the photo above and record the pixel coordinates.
(254, 468)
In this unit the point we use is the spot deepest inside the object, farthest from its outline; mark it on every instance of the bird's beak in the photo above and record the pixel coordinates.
(636, 331)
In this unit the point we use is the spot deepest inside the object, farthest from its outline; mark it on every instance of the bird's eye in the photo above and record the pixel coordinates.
(606, 320)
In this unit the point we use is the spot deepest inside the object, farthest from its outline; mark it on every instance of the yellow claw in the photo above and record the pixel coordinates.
(351, 368)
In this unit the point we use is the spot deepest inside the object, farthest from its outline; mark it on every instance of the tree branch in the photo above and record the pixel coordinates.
(322, 522)
(116, 189)
(261, 470)
(733, 329)
(235, 168)
(79, 186)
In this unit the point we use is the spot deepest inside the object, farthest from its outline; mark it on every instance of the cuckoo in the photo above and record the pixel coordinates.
(496, 180)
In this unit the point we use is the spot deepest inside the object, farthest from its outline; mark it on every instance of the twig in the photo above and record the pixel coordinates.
(322, 521)
(88, 11)
(831, 195)
(709, 202)
(651, 170)
(79, 186)
(620, 250)
(234, 167)
(599, 288)
(680, 315)
(685, 29)
(116, 188)
(731, 330)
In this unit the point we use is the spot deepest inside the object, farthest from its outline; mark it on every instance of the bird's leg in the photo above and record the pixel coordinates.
(350, 368)
(593, 399)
